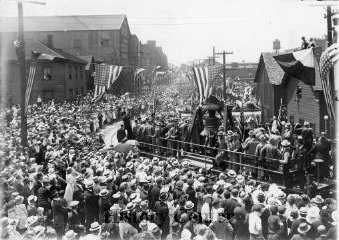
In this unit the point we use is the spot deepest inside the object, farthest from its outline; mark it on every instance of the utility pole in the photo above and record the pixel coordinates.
(21, 60)
(224, 53)
(213, 56)
(209, 60)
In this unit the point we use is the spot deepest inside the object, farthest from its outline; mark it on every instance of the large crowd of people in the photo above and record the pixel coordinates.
(67, 185)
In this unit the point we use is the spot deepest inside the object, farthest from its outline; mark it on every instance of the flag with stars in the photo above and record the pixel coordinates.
(104, 76)
(326, 61)
(203, 77)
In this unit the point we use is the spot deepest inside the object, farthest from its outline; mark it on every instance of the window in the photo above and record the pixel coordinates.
(70, 72)
(77, 43)
(301, 121)
(312, 125)
(104, 42)
(81, 73)
(47, 95)
(76, 72)
(76, 92)
(47, 73)
(292, 120)
(70, 93)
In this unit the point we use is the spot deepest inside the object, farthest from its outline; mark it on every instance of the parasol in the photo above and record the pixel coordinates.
(124, 147)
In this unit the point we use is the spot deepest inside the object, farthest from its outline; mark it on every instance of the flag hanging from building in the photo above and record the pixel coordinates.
(104, 77)
(299, 64)
(138, 73)
(202, 77)
(30, 79)
(326, 63)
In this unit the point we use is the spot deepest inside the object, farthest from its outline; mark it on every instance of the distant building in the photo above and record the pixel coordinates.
(106, 37)
(59, 75)
(274, 86)
(135, 51)
(153, 55)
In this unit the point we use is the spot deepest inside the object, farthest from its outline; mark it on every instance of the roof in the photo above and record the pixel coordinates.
(47, 53)
(88, 59)
(274, 71)
(64, 23)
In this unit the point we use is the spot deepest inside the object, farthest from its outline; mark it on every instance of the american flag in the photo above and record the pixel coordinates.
(203, 77)
(326, 61)
(30, 80)
(104, 76)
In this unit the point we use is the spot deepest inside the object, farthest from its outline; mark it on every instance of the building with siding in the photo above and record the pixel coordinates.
(106, 37)
(59, 75)
(274, 86)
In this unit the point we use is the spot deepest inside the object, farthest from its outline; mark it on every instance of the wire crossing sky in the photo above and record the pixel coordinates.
(188, 29)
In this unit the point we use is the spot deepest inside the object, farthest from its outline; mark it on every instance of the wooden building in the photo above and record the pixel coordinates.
(59, 75)
(274, 86)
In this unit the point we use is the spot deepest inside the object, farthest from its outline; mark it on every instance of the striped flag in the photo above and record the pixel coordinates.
(30, 80)
(326, 62)
(104, 77)
(138, 73)
(202, 77)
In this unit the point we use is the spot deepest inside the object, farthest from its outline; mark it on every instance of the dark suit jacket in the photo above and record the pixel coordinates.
(36, 187)
(153, 196)
(59, 210)
(44, 195)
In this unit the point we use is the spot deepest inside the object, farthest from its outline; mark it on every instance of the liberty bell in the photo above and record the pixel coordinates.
(211, 122)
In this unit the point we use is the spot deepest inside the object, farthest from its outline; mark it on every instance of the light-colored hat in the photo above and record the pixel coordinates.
(74, 203)
(231, 173)
(70, 235)
(285, 143)
(94, 226)
(186, 234)
(189, 205)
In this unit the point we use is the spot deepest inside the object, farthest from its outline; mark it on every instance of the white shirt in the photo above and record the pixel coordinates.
(254, 223)
(205, 212)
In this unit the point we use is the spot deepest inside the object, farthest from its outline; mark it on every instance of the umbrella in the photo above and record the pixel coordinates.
(133, 142)
(124, 147)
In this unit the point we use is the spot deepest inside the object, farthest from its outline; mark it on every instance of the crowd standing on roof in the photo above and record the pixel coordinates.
(67, 185)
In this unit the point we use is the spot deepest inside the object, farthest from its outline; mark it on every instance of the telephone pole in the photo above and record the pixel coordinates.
(224, 53)
(213, 56)
(21, 60)
(209, 60)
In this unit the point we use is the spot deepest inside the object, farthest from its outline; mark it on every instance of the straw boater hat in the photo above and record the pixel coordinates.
(70, 235)
(189, 205)
(94, 227)
(231, 173)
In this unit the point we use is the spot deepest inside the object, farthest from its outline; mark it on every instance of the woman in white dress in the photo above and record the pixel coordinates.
(71, 182)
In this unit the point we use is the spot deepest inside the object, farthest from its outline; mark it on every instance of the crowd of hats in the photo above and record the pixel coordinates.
(131, 177)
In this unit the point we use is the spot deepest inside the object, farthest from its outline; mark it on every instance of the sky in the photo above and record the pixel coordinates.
(187, 30)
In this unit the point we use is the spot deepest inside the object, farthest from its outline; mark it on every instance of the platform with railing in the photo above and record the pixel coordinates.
(202, 156)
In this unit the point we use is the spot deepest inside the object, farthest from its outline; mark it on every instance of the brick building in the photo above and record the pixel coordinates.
(106, 37)
(59, 75)
(273, 85)
(153, 55)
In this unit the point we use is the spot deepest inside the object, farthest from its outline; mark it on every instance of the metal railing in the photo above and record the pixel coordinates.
(268, 168)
